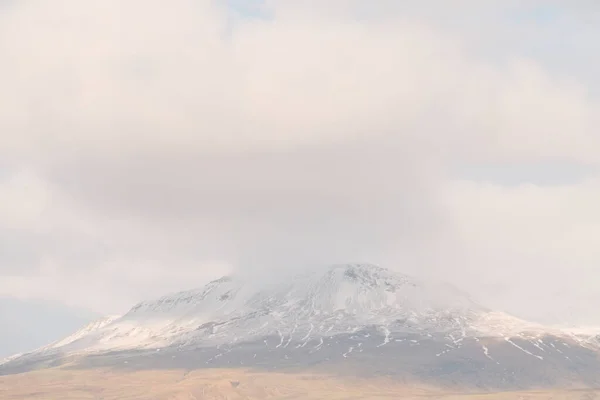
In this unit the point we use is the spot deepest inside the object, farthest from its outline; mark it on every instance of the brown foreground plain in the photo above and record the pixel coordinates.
(65, 384)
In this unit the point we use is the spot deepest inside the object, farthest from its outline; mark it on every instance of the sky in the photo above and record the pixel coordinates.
(31, 324)
(148, 147)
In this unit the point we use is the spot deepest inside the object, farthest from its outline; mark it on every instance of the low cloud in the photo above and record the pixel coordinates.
(152, 148)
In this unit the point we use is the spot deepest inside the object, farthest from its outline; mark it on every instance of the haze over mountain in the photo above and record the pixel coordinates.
(203, 137)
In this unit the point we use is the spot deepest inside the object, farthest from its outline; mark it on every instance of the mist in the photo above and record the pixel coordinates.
(151, 149)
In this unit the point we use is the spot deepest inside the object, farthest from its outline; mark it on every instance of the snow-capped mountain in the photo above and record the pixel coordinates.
(357, 317)
(229, 310)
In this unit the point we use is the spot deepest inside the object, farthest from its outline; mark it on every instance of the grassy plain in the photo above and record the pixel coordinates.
(65, 384)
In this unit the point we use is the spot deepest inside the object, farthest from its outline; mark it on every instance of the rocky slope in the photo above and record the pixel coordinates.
(350, 319)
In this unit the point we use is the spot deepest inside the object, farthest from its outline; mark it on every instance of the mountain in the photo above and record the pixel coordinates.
(349, 320)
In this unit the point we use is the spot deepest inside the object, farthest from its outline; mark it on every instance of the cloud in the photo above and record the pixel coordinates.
(535, 243)
(152, 148)
(129, 77)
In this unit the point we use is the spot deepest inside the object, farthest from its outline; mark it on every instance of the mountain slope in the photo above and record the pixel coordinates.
(350, 319)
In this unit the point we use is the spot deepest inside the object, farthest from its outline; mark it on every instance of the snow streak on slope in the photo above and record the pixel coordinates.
(85, 331)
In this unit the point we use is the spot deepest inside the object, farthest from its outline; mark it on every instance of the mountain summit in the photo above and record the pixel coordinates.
(349, 319)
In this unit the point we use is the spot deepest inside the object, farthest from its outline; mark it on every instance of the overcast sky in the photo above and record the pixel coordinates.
(149, 146)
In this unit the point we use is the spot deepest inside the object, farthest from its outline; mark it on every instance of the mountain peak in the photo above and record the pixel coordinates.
(333, 300)
(366, 273)
(365, 293)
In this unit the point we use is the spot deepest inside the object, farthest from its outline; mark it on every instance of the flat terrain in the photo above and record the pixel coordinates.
(62, 384)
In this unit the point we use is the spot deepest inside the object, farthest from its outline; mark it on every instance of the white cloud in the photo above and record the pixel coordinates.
(23, 199)
(148, 147)
(537, 245)
(131, 77)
